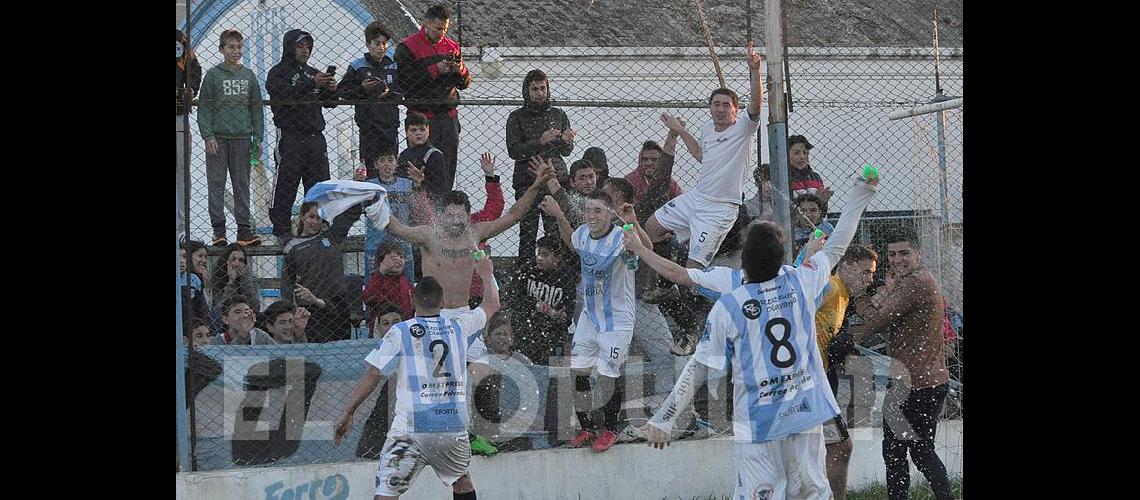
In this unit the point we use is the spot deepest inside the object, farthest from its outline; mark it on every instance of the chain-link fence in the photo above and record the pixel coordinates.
(250, 164)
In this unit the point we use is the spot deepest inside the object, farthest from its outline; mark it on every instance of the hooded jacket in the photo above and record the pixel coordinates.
(384, 113)
(525, 127)
(292, 81)
(419, 78)
(184, 77)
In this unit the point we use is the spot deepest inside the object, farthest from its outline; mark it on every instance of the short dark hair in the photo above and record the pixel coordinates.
(552, 242)
(601, 196)
(428, 293)
(809, 197)
(728, 92)
(387, 151)
(624, 187)
(388, 308)
(438, 11)
(651, 145)
(798, 139)
(193, 323)
(763, 172)
(228, 35)
(500, 318)
(856, 253)
(233, 301)
(414, 119)
(900, 234)
(763, 252)
(276, 309)
(385, 248)
(457, 197)
(579, 165)
(374, 30)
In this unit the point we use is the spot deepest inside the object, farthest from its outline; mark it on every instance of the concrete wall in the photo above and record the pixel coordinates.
(634, 471)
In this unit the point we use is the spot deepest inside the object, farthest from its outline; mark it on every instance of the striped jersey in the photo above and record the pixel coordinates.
(607, 279)
(713, 281)
(766, 332)
(429, 358)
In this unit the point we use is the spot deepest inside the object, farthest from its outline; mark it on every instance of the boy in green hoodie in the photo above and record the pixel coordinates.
(230, 116)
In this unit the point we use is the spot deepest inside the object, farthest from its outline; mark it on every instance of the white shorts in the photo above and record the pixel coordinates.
(792, 467)
(477, 351)
(606, 350)
(700, 221)
(405, 455)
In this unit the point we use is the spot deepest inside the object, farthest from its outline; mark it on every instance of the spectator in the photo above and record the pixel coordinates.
(911, 307)
(583, 181)
(424, 156)
(372, 77)
(232, 278)
(188, 79)
(801, 178)
(406, 198)
(536, 129)
(760, 206)
(492, 209)
(238, 317)
(429, 66)
(302, 157)
(314, 278)
(286, 322)
(541, 301)
(807, 215)
(388, 284)
(194, 303)
(196, 332)
(653, 182)
(602, 167)
(229, 117)
(387, 314)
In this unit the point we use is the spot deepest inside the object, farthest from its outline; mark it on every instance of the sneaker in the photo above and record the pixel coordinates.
(249, 241)
(582, 438)
(685, 344)
(657, 295)
(219, 241)
(605, 440)
(480, 446)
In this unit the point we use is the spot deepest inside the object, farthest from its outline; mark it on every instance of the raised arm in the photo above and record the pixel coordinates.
(486, 230)
(757, 85)
(857, 200)
(550, 206)
(677, 126)
(420, 235)
(486, 270)
(665, 267)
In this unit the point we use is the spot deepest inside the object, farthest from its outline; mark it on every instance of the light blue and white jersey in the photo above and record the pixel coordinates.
(716, 280)
(607, 279)
(429, 358)
(767, 332)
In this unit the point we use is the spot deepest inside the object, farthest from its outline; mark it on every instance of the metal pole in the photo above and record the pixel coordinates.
(942, 160)
(183, 425)
(759, 133)
(778, 121)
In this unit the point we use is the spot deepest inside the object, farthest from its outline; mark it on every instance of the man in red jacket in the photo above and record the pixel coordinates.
(429, 67)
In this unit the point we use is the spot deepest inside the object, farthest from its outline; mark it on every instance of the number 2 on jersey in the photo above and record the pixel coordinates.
(439, 373)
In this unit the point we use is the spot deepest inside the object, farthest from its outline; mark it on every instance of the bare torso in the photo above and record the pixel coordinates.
(450, 260)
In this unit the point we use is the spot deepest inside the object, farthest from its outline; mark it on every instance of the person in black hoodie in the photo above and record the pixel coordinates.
(536, 129)
(314, 279)
(372, 77)
(188, 80)
(301, 154)
(542, 302)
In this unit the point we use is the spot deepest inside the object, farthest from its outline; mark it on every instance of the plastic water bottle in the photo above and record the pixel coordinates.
(254, 157)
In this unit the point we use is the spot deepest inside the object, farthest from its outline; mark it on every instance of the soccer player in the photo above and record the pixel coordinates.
(427, 354)
(704, 215)
(605, 327)
(766, 331)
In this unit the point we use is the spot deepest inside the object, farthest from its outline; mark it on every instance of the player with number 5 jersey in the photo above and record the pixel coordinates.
(764, 331)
